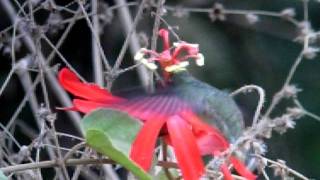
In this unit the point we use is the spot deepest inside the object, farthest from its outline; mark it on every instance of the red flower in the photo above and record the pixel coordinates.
(171, 58)
(189, 136)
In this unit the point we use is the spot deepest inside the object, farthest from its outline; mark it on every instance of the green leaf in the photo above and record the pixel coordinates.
(112, 133)
(2, 176)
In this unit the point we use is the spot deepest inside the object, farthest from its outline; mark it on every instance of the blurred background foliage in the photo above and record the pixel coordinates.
(236, 54)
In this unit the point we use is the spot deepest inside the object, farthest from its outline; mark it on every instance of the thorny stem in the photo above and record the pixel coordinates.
(276, 99)
(293, 69)
(293, 172)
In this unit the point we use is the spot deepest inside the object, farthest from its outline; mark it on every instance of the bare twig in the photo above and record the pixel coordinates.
(293, 172)
(131, 39)
(95, 36)
(96, 58)
(261, 101)
(63, 97)
(69, 162)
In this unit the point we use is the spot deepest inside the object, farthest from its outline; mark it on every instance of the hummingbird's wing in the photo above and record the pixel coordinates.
(185, 131)
(157, 107)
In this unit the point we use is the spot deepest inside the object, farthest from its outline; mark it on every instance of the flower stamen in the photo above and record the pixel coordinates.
(172, 58)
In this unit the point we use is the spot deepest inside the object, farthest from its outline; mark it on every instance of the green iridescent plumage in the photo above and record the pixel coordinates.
(213, 105)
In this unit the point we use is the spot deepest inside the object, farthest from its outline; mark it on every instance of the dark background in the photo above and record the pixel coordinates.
(236, 54)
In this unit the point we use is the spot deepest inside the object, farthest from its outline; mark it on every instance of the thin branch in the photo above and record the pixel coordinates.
(276, 99)
(154, 37)
(70, 162)
(73, 150)
(60, 159)
(10, 135)
(293, 172)
(261, 93)
(95, 36)
(6, 82)
(129, 35)
(79, 168)
(306, 112)
(70, 136)
(96, 58)
(62, 57)
(23, 102)
(132, 39)
(61, 94)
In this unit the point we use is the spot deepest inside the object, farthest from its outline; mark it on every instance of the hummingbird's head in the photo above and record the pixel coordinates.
(172, 59)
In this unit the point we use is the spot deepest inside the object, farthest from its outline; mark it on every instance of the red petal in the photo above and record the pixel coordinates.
(209, 139)
(242, 169)
(142, 149)
(183, 46)
(71, 83)
(164, 34)
(226, 172)
(185, 147)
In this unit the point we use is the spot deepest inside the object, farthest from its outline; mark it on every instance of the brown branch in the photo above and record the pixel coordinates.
(129, 35)
(70, 162)
(128, 24)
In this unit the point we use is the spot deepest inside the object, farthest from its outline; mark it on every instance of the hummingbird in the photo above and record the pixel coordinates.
(214, 106)
(194, 117)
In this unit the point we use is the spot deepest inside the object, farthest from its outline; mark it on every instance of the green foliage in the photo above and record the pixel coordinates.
(112, 133)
